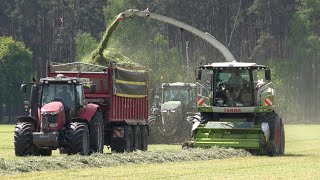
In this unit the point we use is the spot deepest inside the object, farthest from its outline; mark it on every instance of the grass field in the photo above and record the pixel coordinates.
(302, 161)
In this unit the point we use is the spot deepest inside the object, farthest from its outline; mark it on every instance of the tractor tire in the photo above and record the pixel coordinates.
(97, 133)
(23, 145)
(155, 136)
(78, 139)
(274, 144)
(136, 137)
(144, 138)
(45, 152)
(122, 144)
(282, 140)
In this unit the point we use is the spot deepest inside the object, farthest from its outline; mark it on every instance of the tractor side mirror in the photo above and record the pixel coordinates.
(93, 88)
(23, 88)
(268, 74)
(198, 74)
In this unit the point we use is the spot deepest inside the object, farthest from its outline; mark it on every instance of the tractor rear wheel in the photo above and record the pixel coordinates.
(136, 137)
(144, 138)
(79, 140)
(97, 133)
(23, 145)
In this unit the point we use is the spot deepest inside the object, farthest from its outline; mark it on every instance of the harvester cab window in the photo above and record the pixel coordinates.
(233, 88)
(259, 77)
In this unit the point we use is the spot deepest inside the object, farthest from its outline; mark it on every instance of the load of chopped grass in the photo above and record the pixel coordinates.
(31, 164)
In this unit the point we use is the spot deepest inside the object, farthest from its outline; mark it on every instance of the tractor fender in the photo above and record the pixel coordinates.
(35, 123)
(88, 111)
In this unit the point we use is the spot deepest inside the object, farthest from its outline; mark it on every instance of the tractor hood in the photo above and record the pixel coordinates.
(52, 108)
(170, 105)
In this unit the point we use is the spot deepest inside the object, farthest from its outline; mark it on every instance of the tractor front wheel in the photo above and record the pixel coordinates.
(23, 145)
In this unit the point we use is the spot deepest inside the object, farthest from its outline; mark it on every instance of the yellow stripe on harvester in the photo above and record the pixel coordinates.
(130, 95)
(130, 82)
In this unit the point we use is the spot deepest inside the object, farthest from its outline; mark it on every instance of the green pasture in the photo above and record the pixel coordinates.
(302, 161)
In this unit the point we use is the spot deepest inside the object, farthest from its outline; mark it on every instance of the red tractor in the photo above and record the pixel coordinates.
(59, 118)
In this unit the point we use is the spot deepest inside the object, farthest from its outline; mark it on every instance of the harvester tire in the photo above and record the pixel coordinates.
(23, 145)
(79, 140)
(136, 137)
(96, 133)
(282, 140)
(144, 138)
(154, 124)
(274, 143)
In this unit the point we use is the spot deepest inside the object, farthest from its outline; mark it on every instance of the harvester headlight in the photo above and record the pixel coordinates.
(164, 110)
(173, 111)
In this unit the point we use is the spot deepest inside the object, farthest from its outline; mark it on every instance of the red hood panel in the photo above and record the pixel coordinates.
(52, 107)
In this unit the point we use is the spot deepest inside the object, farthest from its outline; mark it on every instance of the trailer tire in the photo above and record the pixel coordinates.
(23, 145)
(125, 143)
(144, 138)
(96, 133)
(136, 137)
(79, 141)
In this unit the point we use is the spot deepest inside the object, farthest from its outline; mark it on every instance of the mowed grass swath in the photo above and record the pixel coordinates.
(301, 160)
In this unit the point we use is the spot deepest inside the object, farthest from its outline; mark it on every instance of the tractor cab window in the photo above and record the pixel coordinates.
(58, 92)
(233, 88)
(79, 95)
(176, 94)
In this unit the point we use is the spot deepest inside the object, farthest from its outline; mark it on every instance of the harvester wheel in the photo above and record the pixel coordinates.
(23, 145)
(79, 138)
(97, 133)
(274, 143)
(136, 137)
(282, 139)
(144, 138)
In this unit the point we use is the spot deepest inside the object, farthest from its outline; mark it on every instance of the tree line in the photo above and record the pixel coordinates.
(281, 34)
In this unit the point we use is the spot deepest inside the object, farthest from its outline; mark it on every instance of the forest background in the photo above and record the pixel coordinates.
(285, 35)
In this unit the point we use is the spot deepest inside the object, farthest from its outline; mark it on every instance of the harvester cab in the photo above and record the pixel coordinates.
(169, 120)
(236, 105)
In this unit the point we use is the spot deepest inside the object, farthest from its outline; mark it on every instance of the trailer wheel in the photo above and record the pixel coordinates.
(144, 138)
(97, 133)
(23, 145)
(79, 140)
(136, 137)
(274, 144)
(124, 143)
